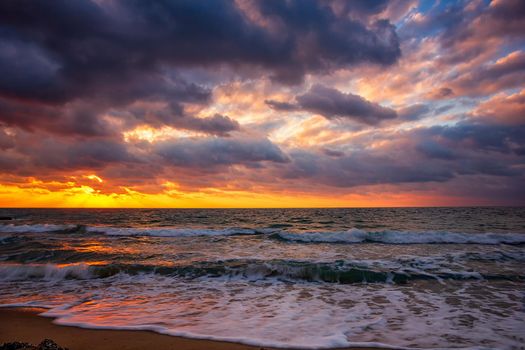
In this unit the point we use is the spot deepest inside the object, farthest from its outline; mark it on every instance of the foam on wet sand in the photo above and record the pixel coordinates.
(24, 324)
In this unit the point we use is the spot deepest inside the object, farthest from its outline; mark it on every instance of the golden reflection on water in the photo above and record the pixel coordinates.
(97, 246)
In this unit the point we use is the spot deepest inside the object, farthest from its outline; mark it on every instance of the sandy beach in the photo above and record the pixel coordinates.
(25, 325)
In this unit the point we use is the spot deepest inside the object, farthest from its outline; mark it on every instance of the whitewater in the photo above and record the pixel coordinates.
(417, 278)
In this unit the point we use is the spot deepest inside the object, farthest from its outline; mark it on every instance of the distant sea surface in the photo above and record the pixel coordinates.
(304, 278)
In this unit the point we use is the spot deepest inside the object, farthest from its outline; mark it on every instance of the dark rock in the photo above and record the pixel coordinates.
(16, 346)
(6, 218)
(46, 344)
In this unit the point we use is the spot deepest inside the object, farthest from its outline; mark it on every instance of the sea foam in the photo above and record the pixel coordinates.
(350, 236)
(35, 228)
(171, 231)
(399, 237)
(46, 272)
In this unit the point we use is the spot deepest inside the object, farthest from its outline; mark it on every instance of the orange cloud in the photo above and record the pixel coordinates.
(170, 195)
(502, 108)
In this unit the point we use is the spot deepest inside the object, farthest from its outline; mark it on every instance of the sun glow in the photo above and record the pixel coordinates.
(150, 134)
(94, 177)
(38, 193)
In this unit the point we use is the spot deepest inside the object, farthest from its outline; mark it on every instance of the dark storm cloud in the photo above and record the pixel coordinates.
(472, 148)
(8, 162)
(323, 41)
(435, 154)
(434, 150)
(217, 124)
(43, 156)
(362, 168)
(103, 56)
(26, 69)
(70, 119)
(86, 119)
(174, 116)
(478, 137)
(88, 154)
(76, 47)
(414, 112)
(282, 106)
(128, 162)
(212, 152)
(332, 103)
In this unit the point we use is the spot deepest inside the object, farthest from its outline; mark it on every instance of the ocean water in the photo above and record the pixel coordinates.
(432, 278)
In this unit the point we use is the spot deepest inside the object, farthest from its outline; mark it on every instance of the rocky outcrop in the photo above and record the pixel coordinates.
(46, 344)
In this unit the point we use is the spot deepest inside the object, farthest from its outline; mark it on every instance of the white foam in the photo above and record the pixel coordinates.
(276, 314)
(130, 231)
(169, 231)
(352, 235)
(134, 231)
(297, 271)
(36, 228)
(46, 272)
(248, 316)
(399, 237)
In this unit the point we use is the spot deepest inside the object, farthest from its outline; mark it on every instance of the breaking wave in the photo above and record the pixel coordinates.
(350, 236)
(342, 272)
(398, 237)
(41, 228)
(130, 231)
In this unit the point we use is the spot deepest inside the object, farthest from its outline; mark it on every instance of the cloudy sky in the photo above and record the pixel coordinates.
(262, 103)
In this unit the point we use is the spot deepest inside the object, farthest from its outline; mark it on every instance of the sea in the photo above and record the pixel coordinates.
(415, 278)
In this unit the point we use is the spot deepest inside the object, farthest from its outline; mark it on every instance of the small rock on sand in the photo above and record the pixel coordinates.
(46, 344)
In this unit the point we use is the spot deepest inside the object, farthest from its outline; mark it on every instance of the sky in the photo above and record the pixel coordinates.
(294, 103)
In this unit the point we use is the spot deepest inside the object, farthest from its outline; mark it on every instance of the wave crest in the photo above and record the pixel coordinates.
(41, 228)
(46, 272)
(398, 237)
(350, 236)
(132, 231)
(342, 272)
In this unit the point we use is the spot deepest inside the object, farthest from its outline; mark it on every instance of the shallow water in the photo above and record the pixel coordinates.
(309, 278)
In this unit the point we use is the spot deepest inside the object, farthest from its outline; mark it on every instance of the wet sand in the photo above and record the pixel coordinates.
(25, 325)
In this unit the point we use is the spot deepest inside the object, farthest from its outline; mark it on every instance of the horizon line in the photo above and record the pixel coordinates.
(237, 208)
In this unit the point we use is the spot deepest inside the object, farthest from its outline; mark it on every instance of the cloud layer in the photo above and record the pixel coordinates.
(302, 97)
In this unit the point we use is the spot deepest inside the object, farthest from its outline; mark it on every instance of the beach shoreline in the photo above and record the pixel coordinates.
(26, 325)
